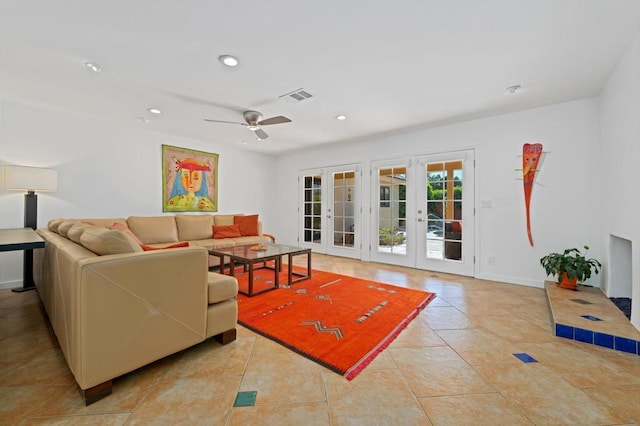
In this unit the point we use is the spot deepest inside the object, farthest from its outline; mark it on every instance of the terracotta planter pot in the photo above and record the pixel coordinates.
(569, 284)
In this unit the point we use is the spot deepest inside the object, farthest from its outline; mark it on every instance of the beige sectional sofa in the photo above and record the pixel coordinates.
(115, 307)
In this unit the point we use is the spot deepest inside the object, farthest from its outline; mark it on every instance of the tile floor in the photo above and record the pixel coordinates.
(454, 364)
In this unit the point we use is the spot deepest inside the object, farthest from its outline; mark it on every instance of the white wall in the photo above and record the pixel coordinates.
(565, 209)
(619, 110)
(107, 170)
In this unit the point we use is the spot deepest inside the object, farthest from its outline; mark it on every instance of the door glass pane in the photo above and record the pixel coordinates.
(343, 208)
(444, 210)
(312, 209)
(392, 210)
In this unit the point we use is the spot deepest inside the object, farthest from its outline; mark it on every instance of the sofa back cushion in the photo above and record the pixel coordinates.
(154, 229)
(224, 219)
(194, 227)
(103, 241)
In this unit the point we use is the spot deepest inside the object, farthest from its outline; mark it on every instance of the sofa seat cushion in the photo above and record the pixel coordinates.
(164, 246)
(194, 227)
(211, 243)
(154, 229)
(256, 239)
(221, 287)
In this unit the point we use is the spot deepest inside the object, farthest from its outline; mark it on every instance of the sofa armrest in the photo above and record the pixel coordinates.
(273, 238)
(133, 309)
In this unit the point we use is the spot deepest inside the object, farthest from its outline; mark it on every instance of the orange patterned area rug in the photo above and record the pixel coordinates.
(338, 321)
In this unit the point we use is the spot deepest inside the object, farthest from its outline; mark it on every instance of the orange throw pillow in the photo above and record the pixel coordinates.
(226, 231)
(248, 224)
(176, 245)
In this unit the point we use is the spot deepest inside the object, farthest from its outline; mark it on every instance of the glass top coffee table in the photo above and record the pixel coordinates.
(251, 254)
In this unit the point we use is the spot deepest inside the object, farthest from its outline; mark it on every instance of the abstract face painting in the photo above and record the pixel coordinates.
(189, 180)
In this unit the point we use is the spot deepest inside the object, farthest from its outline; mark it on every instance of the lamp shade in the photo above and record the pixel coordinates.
(22, 178)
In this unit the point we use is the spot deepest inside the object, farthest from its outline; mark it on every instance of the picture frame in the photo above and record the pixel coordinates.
(189, 180)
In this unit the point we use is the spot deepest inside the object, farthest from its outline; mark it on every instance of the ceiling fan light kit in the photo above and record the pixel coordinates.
(253, 121)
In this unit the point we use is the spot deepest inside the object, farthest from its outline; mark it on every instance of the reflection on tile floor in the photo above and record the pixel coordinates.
(461, 361)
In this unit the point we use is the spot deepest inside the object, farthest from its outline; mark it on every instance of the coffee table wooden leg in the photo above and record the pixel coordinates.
(250, 278)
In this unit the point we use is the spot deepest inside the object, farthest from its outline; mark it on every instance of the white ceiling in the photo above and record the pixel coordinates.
(388, 65)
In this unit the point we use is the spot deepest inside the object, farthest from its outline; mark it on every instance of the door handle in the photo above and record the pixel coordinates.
(328, 216)
(420, 219)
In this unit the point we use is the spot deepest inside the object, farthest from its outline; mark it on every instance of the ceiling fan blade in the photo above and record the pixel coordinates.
(274, 120)
(222, 121)
(260, 134)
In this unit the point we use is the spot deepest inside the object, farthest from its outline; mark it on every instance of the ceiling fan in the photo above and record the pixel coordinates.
(253, 121)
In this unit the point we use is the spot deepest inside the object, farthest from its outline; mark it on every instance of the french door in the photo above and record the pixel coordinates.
(331, 210)
(423, 212)
(393, 225)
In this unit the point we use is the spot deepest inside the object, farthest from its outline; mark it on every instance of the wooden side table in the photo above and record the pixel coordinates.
(22, 239)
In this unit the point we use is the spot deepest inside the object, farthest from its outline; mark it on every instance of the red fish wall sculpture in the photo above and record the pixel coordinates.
(531, 153)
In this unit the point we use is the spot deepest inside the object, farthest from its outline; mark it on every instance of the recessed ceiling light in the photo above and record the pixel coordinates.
(93, 66)
(513, 89)
(228, 60)
(341, 117)
(143, 119)
(154, 111)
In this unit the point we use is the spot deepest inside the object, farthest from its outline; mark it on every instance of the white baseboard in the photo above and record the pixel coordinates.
(511, 280)
(10, 284)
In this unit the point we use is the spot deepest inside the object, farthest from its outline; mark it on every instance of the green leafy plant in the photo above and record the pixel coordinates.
(573, 262)
(390, 236)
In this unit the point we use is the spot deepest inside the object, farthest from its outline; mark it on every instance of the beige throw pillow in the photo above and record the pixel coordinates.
(64, 227)
(76, 231)
(53, 224)
(104, 241)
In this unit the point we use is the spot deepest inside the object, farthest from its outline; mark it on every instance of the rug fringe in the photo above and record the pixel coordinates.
(368, 358)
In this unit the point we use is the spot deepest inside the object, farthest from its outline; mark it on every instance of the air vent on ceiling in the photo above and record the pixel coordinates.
(298, 95)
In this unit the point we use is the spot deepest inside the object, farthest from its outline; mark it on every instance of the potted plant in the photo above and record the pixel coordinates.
(570, 266)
